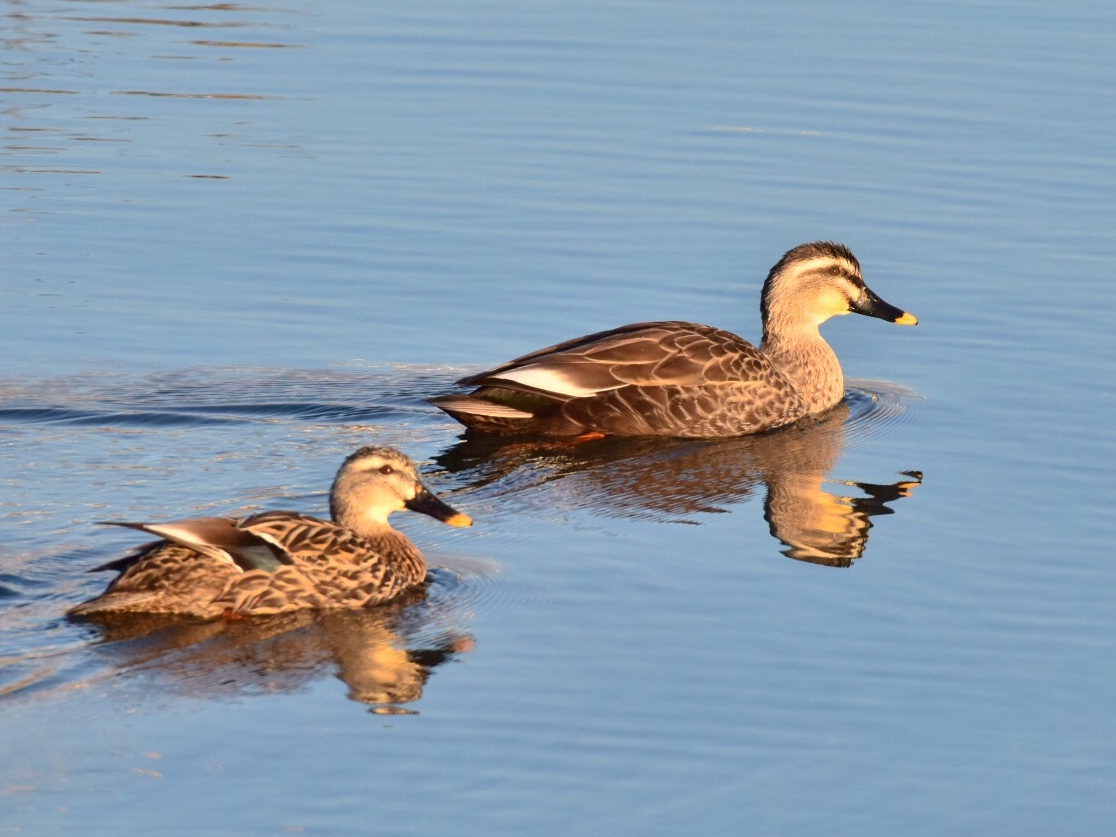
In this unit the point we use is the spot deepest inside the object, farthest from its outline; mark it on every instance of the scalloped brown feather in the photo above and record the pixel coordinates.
(668, 378)
(331, 567)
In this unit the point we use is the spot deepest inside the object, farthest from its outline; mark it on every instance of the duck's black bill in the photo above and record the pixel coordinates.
(871, 305)
(427, 503)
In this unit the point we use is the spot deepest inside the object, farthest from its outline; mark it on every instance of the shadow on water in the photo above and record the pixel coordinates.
(817, 519)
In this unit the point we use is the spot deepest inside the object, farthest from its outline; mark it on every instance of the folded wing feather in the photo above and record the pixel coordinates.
(643, 354)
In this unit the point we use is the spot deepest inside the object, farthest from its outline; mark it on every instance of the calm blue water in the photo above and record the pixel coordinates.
(239, 241)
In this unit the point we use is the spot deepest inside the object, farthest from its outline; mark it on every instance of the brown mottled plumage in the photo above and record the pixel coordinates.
(280, 561)
(684, 379)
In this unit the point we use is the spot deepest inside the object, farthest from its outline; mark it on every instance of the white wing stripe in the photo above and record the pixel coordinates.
(549, 379)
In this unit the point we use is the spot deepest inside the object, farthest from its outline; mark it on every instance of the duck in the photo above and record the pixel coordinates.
(681, 379)
(282, 561)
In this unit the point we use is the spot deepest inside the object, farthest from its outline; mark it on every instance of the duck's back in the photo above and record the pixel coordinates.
(668, 378)
(345, 568)
(300, 562)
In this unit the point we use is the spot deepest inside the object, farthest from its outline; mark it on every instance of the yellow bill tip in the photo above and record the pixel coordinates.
(460, 520)
(907, 319)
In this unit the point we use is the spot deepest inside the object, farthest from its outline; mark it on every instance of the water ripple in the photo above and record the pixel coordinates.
(203, 397)
(879, 407)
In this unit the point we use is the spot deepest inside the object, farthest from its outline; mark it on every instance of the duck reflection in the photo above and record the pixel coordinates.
(384, 654)
(817, 519)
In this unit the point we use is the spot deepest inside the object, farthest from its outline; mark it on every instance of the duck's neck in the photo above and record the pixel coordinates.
(402, 555)
(392, 546)
(809, 363)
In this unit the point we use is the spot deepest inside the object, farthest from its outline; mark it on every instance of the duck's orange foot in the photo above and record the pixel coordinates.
(591, 436)
(569, 442)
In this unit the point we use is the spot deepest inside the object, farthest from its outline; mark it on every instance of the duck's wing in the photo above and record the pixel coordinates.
(217, 538)
(646, 379)
(345, 568)
(162, 577)
(651, 354)
(302, 537)
(268, 563)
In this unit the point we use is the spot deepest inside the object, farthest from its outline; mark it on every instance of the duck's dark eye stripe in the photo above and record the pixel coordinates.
(836, 270)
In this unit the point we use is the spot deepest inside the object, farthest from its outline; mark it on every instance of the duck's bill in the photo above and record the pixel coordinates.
(871, 305)
(427, 503)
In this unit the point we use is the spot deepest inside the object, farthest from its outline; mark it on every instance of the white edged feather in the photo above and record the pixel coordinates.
(550, 379)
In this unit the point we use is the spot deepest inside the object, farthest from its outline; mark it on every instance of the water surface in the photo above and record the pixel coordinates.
(242, 240)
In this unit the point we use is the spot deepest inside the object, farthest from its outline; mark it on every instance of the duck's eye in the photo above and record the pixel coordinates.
(386, 469)
(834, 270)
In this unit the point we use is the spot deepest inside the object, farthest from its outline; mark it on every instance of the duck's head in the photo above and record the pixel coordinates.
(376, 481)
(816, 281)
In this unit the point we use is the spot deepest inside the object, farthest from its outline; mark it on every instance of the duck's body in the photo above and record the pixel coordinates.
(684, 379)
(281, 561)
